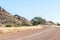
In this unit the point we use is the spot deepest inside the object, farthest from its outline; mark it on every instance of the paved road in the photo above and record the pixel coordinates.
(49, 33)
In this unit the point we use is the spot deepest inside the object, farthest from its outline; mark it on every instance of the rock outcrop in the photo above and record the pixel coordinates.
(7, 18)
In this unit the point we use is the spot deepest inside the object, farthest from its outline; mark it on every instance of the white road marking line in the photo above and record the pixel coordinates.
(35, 34)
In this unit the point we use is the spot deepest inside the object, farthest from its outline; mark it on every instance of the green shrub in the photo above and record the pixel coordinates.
(58, 24)
(9, 25)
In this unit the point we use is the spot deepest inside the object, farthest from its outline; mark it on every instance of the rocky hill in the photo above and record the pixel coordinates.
(7, 18)
(23, 20)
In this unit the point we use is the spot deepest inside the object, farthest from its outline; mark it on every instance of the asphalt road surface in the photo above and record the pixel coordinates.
(48, 33)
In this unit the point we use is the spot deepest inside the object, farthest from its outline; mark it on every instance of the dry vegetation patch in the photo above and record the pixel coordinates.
(18, 29)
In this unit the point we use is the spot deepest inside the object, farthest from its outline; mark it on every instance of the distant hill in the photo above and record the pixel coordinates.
(7, 18)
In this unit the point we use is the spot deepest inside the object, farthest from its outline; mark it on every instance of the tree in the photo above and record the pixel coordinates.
(51, 22)
(58, 24)
(38, 20)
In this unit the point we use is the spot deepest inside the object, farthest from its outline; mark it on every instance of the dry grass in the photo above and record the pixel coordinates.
(18, 29)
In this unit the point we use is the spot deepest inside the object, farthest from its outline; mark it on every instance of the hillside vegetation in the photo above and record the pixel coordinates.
(6, 19)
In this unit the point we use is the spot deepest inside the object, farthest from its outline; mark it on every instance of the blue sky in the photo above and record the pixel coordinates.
(47, 9)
